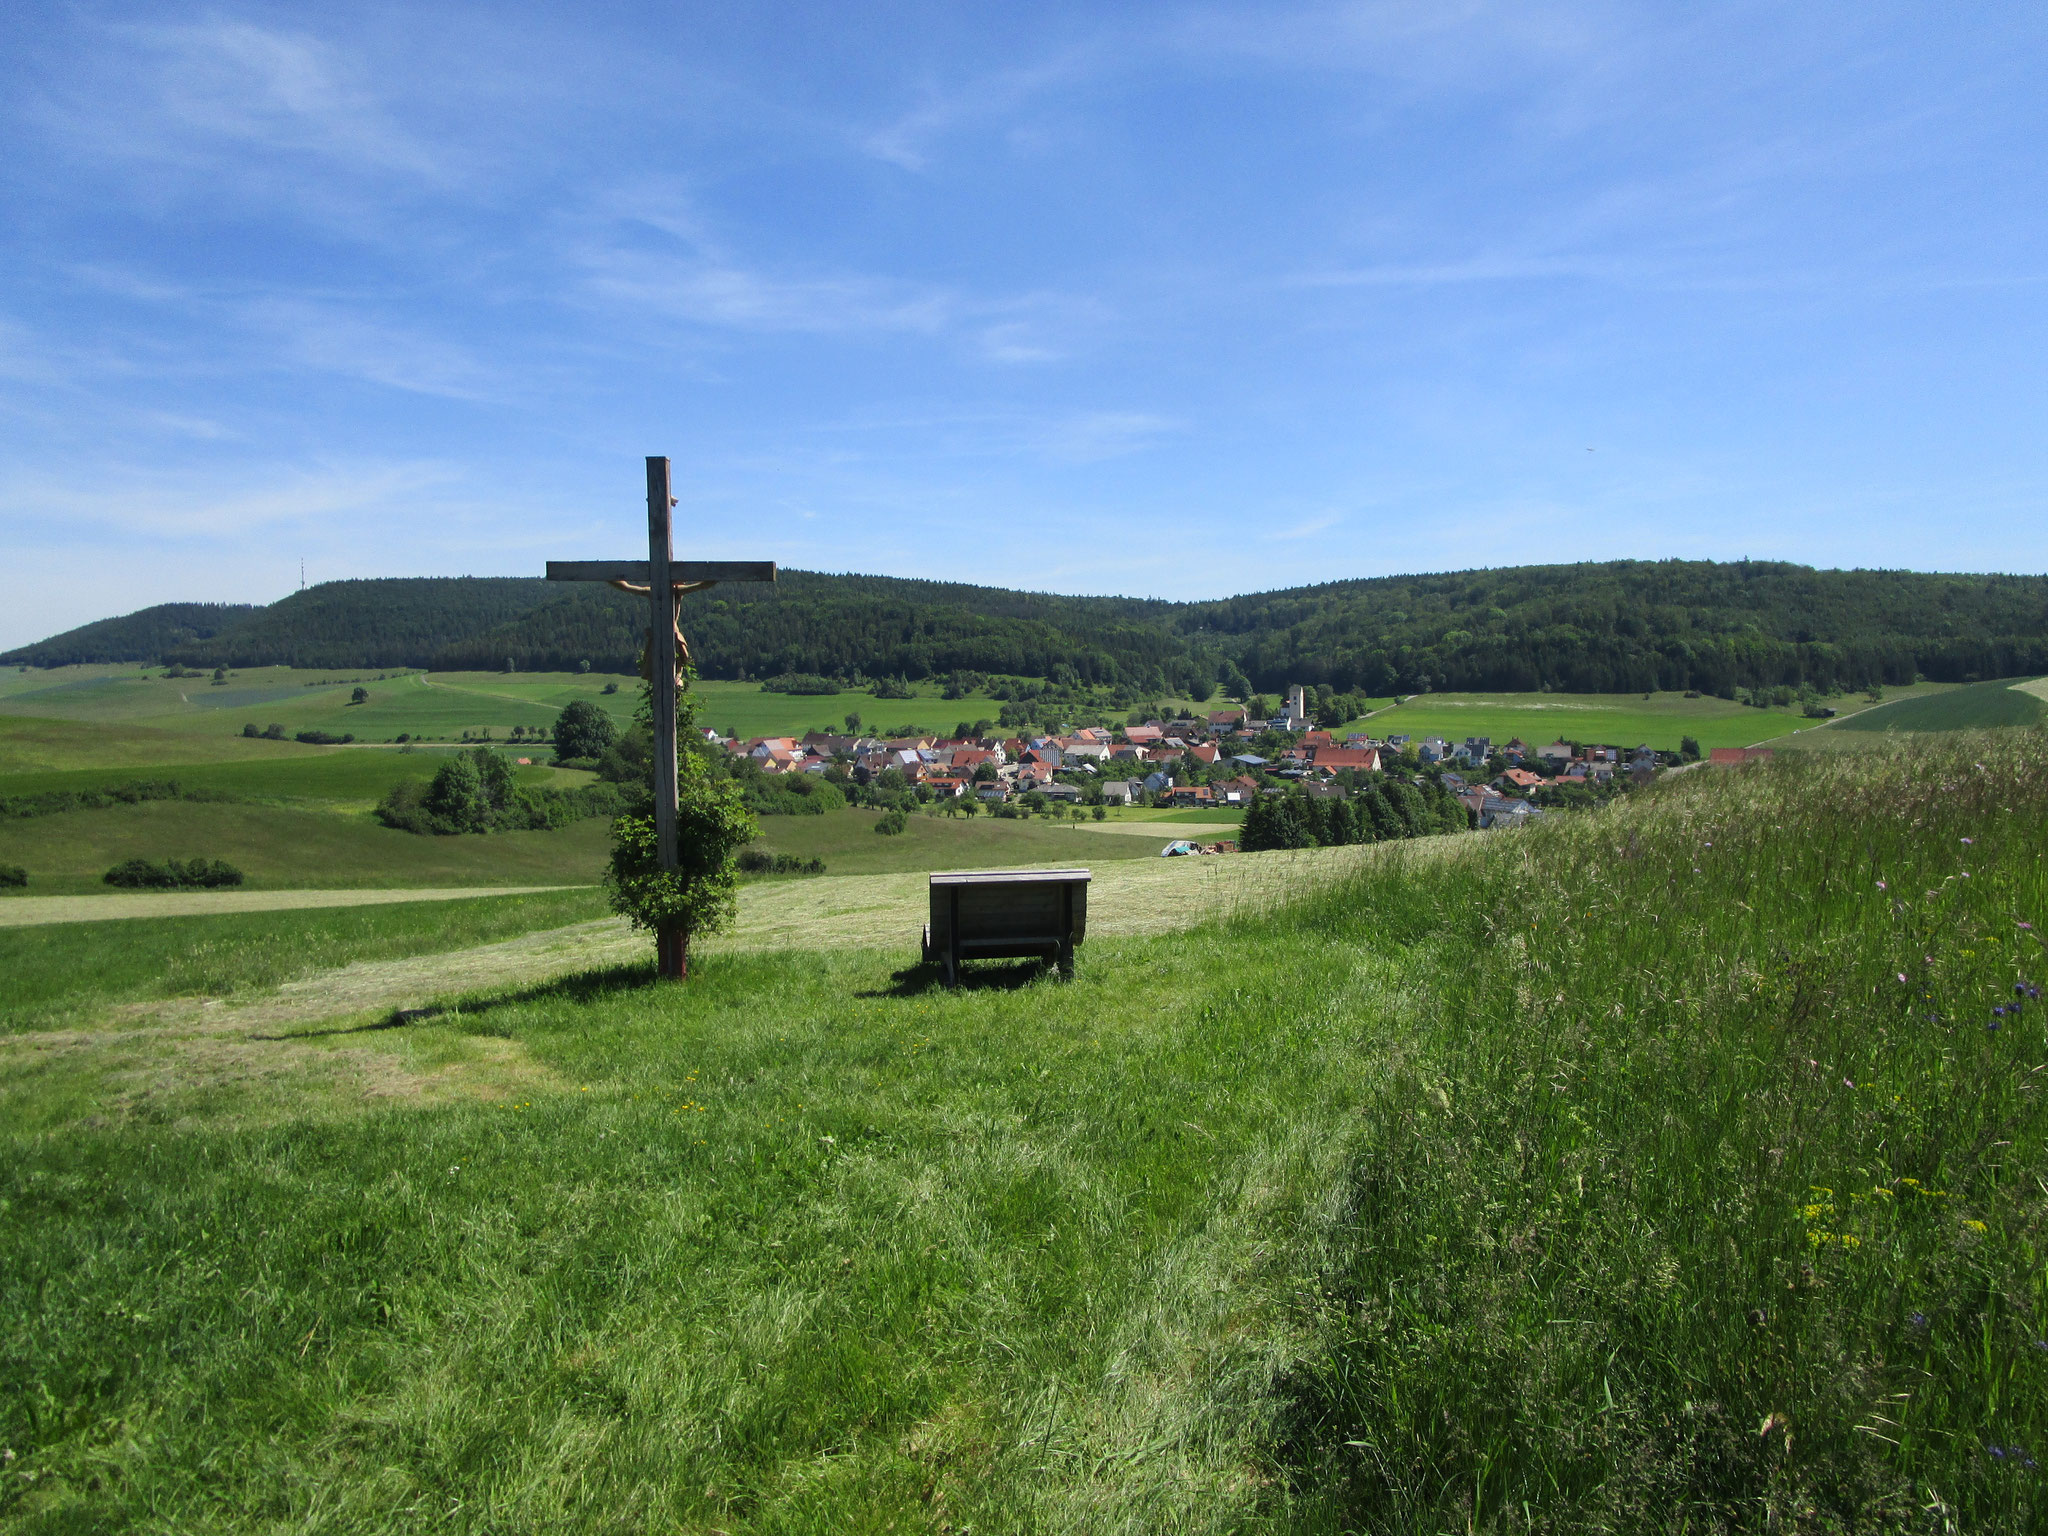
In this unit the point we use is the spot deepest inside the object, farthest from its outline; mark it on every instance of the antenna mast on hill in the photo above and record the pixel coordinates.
(302, 573)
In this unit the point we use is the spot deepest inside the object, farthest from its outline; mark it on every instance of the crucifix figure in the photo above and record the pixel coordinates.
(663, 579)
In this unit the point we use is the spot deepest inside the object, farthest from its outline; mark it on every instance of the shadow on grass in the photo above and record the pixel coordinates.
(975, 976)
(577, 987)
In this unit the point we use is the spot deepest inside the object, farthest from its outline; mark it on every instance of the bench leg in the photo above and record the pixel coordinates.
(1066, 962)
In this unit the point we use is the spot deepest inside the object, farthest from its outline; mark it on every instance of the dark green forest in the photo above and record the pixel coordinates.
(1624, 626)
(148, 635)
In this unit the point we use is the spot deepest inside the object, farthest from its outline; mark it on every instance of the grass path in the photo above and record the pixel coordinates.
(33, 911)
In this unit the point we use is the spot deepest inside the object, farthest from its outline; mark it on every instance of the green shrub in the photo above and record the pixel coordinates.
(324, 739)
(475, 792)
(13, 874)
(757, 861)
(892, 823)
(173, 874)
(799, 683)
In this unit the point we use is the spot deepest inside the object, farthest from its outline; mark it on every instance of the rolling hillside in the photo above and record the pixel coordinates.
(1622, 627)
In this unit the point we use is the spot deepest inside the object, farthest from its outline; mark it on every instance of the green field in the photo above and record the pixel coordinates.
(439, 705)
(1977, 706)
(1621, 719)
(1667, 1169)
(286, 847)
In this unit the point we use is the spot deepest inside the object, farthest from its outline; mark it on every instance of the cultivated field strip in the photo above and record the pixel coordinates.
(31, 911)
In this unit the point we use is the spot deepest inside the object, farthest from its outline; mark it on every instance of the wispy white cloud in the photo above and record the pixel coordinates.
(192, 92)
(1099, 435)
(1308, 528)
(133, 503)
(712, 292)
(908, 139)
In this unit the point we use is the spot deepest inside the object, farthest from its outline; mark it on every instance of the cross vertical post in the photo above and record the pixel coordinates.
(661, 629)
(664, 579)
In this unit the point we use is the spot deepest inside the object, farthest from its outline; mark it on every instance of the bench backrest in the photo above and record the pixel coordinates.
(1010, 904)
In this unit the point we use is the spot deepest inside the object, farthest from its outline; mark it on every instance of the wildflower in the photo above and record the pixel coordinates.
(1902, 976)
(2041, 1344)
(1969, 840)
(2027, 926)
(1976, 1226)
(1881, 885)
(1918, 1319)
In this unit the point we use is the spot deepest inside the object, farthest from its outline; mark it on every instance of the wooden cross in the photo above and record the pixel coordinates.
(664, 579)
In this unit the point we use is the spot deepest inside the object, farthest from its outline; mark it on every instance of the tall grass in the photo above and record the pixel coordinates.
(1705, 1187)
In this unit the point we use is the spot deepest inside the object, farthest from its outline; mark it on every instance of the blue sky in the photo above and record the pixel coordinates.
(1166, 299)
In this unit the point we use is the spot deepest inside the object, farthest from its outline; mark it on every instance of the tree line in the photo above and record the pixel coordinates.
(1616, 627)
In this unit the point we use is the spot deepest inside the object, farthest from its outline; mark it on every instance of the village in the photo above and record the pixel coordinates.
(1221, 760)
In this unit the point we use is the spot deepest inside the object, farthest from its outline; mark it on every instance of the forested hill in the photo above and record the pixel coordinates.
(1618, 627)
(146, 635)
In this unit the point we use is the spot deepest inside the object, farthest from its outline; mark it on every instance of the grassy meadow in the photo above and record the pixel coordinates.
(439, 705)
(1678, 1166)
(1660, 720)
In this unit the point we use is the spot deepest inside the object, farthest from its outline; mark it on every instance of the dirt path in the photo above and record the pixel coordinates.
(27, 911)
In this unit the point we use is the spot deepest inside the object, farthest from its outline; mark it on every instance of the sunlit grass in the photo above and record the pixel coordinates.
(1606, 1177)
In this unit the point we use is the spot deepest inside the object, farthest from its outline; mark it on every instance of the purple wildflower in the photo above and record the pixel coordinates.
(1880, 885)
(1969, 840)
(1918, 1319)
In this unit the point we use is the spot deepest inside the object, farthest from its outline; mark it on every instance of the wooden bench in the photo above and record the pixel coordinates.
(997, 914)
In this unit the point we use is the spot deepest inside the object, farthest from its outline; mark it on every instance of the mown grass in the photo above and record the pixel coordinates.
(1601, 1179)
(55, 972)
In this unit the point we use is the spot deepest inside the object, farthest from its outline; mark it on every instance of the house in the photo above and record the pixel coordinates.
(1507, 813)
(1189, 794)
(1225, 719)
(1433, 749)
(992, 793)
(1519, 778)
(1330, 759)
(1735, 757)
(1066, 794)
(1142, 735)
(1155, 782)
(948, 786)
(1248, 760)
(1557, 753)
(1235, 791)
(1120, 791)
(1077, 749)
(1205, 753)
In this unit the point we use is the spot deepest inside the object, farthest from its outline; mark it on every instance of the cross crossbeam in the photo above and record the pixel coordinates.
(680, 572)
(664, 579)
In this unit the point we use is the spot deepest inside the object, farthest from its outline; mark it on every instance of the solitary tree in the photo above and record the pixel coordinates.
(360, 696)
(583, 730)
